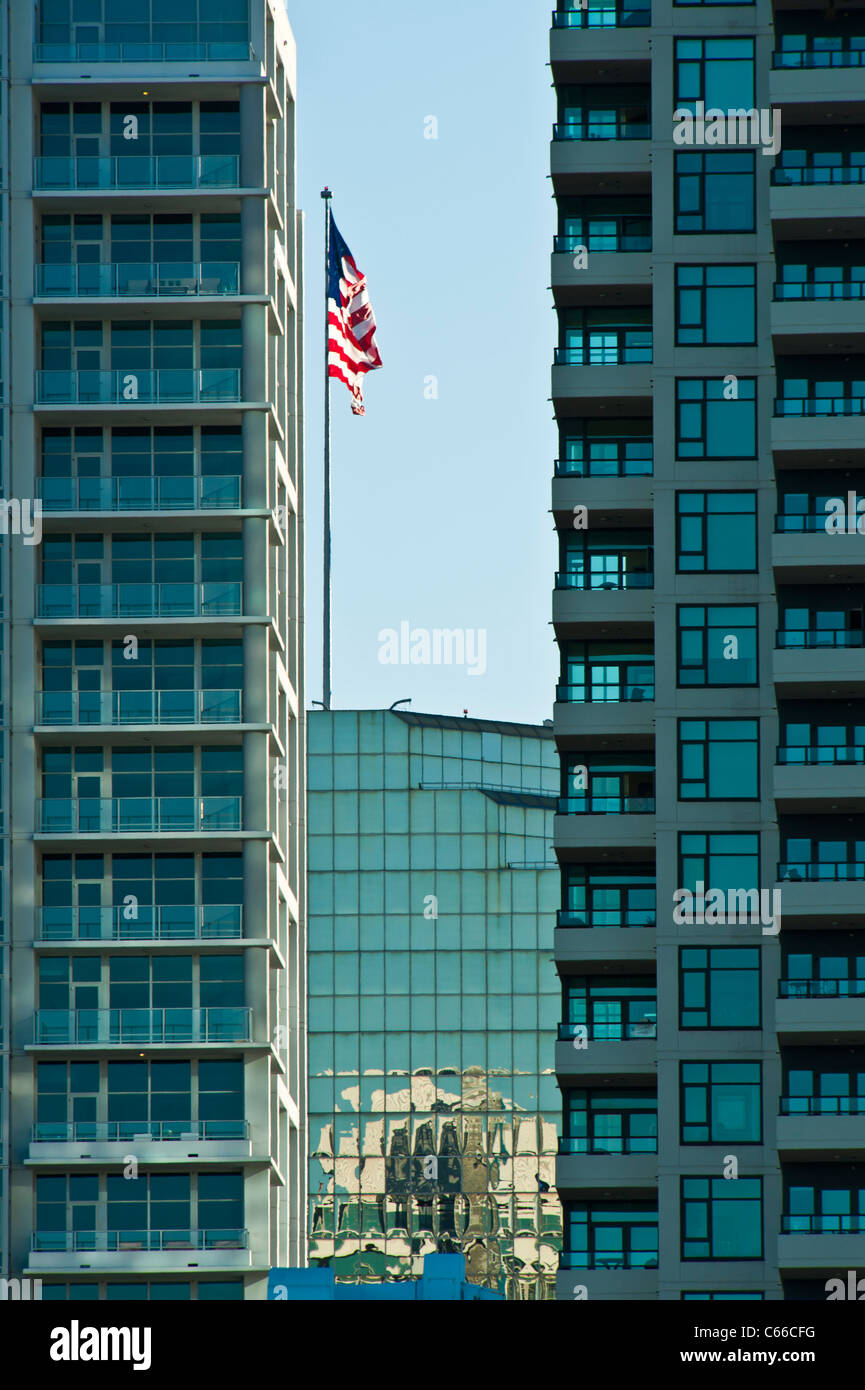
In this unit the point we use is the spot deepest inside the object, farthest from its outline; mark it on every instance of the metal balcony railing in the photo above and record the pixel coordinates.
(822, 1105)
(171, 279)
(57, 1027)
(166, 922)
(121, 1131)
(821, 989)
(613, 461)
(824, 1225)
(800, 522)
(603, 14)
(165, 386)
(212, 1238)
(139, 600)
(142, 53)
(607, 234)
(612, 349)
(597, 1144)
(110, 707)
(820, 755)
(177, 493)
(605, 805)
(620, 1031)
(601, 917)
(129, 815)
(128, 171)
(819, 289)
(619, 128)
(820, 57)
(796, 637)
(821, 871)
(623, 690)
(819, 405)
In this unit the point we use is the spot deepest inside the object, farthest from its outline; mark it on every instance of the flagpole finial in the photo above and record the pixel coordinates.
(326, 193)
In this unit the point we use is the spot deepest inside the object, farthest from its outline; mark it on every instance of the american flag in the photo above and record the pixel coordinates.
(351, 347)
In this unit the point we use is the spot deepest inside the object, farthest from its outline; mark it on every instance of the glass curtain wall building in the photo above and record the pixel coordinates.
(708, 390)
(432, 992)
(154, 1076)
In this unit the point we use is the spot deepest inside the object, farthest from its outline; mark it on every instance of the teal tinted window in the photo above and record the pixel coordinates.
(719, 987)
(716, 532)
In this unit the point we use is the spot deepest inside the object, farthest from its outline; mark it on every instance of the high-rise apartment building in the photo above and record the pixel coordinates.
(432, 998)
(709, 390)
(154, 1073)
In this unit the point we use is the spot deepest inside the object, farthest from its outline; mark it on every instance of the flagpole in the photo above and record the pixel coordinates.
(326, 616)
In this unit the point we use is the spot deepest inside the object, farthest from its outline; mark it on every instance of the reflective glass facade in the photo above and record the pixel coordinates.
(432, 996)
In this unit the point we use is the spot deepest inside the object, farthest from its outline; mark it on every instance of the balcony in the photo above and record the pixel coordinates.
(806, 779)
(818, 660)
(606, 613)
(149, 494)
(820, 1252)
(135, 1027)
(174, 922)
(629, 720)
(810, 322)
(141, 53)
(603, 14)
(820, 1019)
(605, 272)
(167, 386)
(153, 1251)
(138, 815)
(62, 708)
(619, 1284)
(127, 172)
(615, 163)
(604, 34)
(607, 455)
(610, 348)
(805, 78)
(810, 1128)
(594, 948)
(156, 1141)
(165, 279)
(212, 599)
(839, 211)
(603, 1174)
(599, 804)
(602, 390)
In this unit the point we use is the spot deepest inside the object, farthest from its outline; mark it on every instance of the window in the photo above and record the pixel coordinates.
(621, 897)
(722, 1220)
(715, 192)
(716, 532)
(623, 1122)
(717, 645)
(718, 72)
(611, 1235)
(598, 672)
(714, 420)
(718, 759)
(824, 1198)
(716, 304)
(719, 987)
(722, 860)
(720, 1103)
(613, 1010)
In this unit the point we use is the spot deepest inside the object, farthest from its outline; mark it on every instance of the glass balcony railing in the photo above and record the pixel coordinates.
(612, 1031)
(821, 989)
(129, 494)
(603, 14)
(111, 707)
(165, 922)
(609, 1144)
(606, 805)
(618, 687)
(819, 57)
(139, 600)
(608, 234)
(65, 1242)
(120, 1131)
(128, 171)
(618, 127)
(165, 386)
(819, 289)
(821, 755)
(54, 1027)
(627, 1259)
(613, 917)
(142, 53)
(825, 1224)
(617, 458)
(129, 815)
(821, 871)
(799, 522)
(804, 173)
(793, 637)
(613, 349)
(819, 405)
(609, 577)
(823, 1105)
(169, 279)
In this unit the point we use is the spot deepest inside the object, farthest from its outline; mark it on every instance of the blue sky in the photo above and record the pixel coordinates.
(441, 506)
